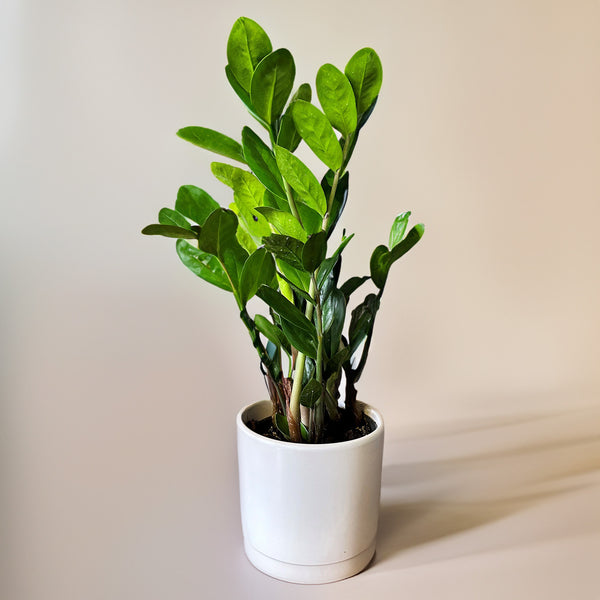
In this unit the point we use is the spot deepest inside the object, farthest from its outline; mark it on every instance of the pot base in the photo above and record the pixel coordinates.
(309, 574)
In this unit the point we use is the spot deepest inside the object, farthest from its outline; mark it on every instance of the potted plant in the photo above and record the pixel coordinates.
(310, 456)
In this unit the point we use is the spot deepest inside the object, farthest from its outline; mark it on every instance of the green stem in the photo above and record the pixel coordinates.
(300, 362)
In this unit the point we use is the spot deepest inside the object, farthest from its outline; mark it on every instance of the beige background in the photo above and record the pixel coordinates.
(122, 373)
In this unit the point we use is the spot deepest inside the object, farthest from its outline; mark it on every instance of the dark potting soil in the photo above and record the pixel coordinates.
(335, 431)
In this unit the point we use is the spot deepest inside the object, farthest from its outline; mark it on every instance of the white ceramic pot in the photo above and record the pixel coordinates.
(309, 511)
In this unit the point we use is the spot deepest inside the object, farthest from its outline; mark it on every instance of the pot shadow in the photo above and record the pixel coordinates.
(436, 508)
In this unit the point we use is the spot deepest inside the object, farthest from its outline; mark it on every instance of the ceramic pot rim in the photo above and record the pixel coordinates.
(329, 447)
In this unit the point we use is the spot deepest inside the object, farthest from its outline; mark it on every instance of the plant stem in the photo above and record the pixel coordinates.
(300, 361)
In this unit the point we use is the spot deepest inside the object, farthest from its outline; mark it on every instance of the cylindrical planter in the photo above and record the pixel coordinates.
(309, 511)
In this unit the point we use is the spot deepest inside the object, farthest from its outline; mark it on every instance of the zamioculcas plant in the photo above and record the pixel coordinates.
(277, 239)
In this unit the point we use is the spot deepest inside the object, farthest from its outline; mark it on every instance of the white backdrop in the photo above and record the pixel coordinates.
(122, 373)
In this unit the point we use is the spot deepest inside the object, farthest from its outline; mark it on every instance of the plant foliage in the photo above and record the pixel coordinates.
(272, 240)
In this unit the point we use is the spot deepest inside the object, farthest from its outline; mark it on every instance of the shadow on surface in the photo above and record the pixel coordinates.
(437, 502)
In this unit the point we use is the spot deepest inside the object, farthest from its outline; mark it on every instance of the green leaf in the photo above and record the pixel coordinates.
(194, 203)
(365, 73)
(382, 258)
(213, 141)
(272, 84)
(248, 193)
(380, 265)
(262, 162)
(350, 286)
(398, 229)
(315, 251)
(284, 222)
(412, 237)
(170, 231)
(339, 199)
(168, 216)
(299, 279)
(243, 95)
(202, 264)
(285, 248)
(247, 45)
(311, 393)
(361, 322)
(258, 270)
(297, 328)
(334, 316)
(288, 137)
(301, 179)
(218, 237)
(271, 331)
(297, 289)
(282, 426)
(316, 130)
(330, 263)
(337, 99)
(312, 221)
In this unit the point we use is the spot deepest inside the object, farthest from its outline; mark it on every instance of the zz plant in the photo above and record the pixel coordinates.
(273, 241)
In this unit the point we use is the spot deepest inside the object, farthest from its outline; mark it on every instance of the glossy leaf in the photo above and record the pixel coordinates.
(262, 162)
(311, 393)
(272, 84)
(382, 258)
(365, 73)
(284, 222)
(301, 179)
(258, 270)
(350, 286)
(339, 199)
(170, 231)
(361, 322)
(380, 265)
(398, 229)
(270, 331)
(316, 130)
(315, 251)
(248, 193)
(337, 99)
(213, 141)
(298, 278)
(243, 95)
(168, 216)
(203, 265)
(288, 137)
(195, 204)
(247, 45)
(312, 221)
(330, 263)
(218, 237)
(334, 316)
(297, 328)
(285, 248)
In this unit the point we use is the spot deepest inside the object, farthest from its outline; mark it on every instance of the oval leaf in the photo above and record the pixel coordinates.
(195, 204)
(259, 269)
(288, 137)
(337, 99)
(316, 130)
(170, 231)
(212, 140)
(262, 162)
(398, 229)
(202, 264)
(315, 251)
(168, 216)
(365, 73)
(284, 222)
(270, 331)
(301, 179)
(272, 84)
(247, 45)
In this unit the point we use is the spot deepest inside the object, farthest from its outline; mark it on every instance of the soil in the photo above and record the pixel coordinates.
(341, 431)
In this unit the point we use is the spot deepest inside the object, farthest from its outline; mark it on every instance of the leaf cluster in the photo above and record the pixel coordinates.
(272, 241)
